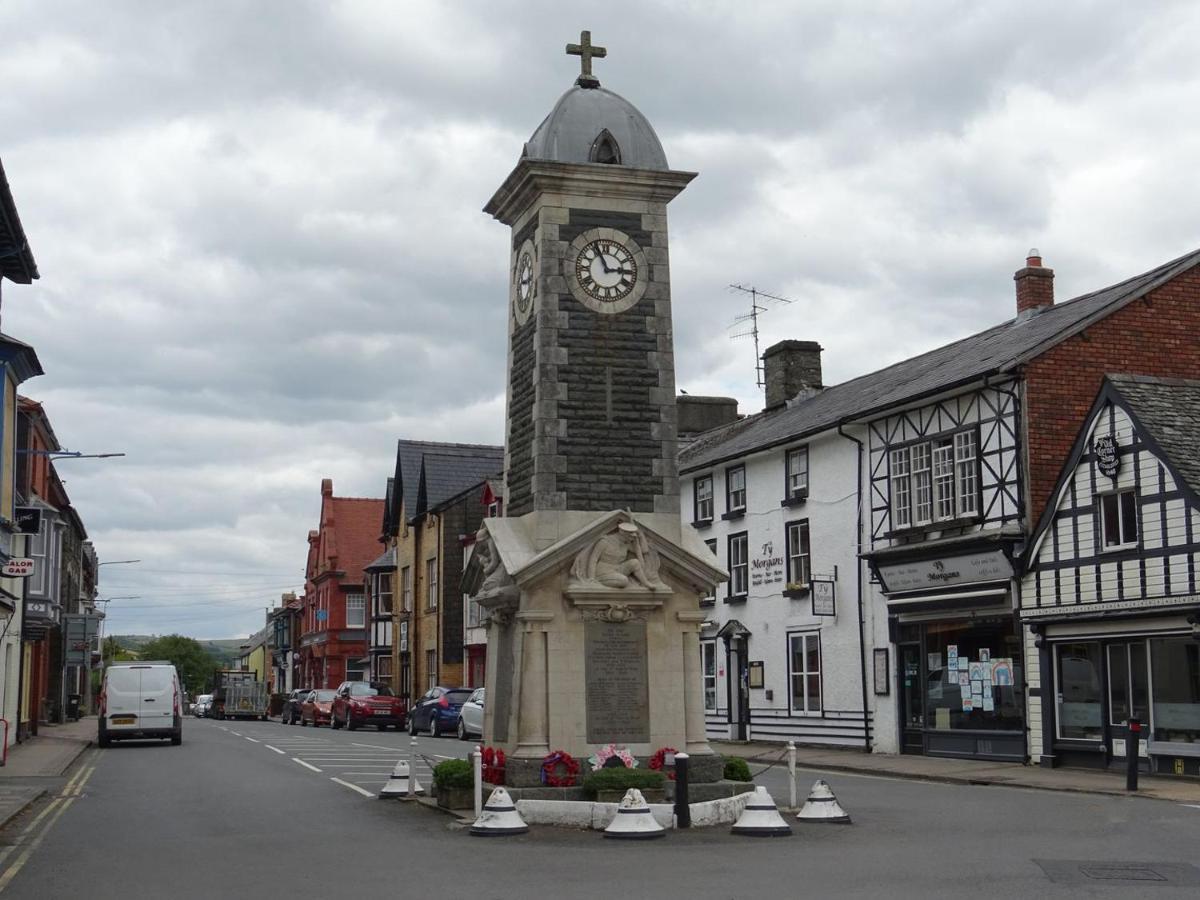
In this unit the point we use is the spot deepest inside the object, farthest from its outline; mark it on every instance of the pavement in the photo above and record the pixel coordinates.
(962, 771)
(37, 763)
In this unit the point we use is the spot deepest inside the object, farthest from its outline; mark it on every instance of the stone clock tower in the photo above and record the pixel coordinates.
(591, 584)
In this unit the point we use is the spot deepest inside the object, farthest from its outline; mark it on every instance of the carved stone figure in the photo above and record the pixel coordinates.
(618, 560)
(497, 588)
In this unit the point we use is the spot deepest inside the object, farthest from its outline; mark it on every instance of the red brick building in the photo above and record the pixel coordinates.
(333, 642)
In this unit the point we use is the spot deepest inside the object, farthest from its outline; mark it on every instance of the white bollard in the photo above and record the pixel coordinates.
(791, 753)
(477, 767)
(412, 765)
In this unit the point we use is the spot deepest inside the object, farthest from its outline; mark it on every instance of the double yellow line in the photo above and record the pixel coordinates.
(31, 838)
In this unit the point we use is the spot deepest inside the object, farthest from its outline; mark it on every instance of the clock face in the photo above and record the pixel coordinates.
(524, 287)
(608, 271)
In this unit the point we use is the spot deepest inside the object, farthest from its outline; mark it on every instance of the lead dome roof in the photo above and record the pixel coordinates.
(576, 127)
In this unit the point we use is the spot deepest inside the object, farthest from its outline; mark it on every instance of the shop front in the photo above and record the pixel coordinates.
(1100, 673)
(960, 670)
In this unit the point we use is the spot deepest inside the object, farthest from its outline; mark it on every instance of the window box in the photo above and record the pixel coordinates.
(702, 523)
(737, 598)
(796, 592)
(707, 602)
(797, 499)
(733, 515)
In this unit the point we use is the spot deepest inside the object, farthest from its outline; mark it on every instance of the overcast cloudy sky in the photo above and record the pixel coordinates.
(263, 258)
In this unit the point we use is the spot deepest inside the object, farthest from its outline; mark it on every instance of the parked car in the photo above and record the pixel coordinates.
(290, 714)
(437, 710)
(140, 700)
(202, 705)
(316, 707)
(470, 717)
(367, 703)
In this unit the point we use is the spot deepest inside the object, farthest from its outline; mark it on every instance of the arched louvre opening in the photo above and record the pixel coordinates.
(605, 149)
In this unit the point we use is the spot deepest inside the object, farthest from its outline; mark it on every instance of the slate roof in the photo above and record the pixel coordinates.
(996, 350)
(429, 472)
(1169, 409)
(383, 561)
(16, 259)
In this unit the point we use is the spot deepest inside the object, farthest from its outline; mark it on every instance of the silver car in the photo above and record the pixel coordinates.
(201, 706)
(470, 717)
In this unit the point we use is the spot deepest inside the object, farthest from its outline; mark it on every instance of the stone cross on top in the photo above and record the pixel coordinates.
(586, 51)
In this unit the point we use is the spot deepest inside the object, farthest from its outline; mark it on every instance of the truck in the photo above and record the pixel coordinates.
(238, 695)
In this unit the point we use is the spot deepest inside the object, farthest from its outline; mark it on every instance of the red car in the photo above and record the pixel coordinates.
(316, 708)
(367, 703)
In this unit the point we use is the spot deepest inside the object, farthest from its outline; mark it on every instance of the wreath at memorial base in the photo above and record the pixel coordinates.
(493, 765)
(658, 762)
(604, 754)
(559, 769)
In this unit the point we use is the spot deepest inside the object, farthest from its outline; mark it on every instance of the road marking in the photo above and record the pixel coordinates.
(353, 787)
(276, 749)
(374, 746)
(78, 789)
(254, 741)
(306, 765)
(20, 861)
(236, 733)
(1192, 805)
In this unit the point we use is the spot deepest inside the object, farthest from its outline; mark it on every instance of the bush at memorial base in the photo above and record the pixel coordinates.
(622, 779)
(736, 769)
(454, 773)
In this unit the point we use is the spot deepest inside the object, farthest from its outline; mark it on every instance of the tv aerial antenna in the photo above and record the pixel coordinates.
(757, 299)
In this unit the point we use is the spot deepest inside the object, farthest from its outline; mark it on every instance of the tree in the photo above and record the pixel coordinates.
(195, 665)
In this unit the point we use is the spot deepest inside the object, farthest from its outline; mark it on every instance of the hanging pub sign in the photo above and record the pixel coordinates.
(28, 519)
(824, 601)
(17, 567)
(1107, 459)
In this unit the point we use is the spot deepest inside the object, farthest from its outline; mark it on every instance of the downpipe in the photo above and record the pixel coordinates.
(862, 643)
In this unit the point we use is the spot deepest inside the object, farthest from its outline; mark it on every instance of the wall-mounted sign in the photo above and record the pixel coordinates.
(767, 567)
(990, 565)
(883, 681)
(17, 567)
(28, 519)
(322, 615)
(824, 599)
(1108, 461)
(756, 673)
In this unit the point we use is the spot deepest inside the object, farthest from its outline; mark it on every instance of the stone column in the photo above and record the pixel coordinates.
(533, 725)
(693, 685)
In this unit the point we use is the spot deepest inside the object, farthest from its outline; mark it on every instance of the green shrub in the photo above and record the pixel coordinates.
(736, 769)
(622, 779)
(453, 773)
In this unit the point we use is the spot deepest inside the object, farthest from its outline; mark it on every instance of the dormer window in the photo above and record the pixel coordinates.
(605, 150)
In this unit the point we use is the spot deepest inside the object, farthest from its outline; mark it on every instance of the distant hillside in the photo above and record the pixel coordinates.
(223, 650)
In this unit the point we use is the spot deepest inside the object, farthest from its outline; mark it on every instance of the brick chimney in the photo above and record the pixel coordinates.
(791, 368)
(1035, 285)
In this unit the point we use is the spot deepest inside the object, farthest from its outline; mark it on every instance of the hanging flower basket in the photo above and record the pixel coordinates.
(604, 754)
(658, 762)
(559, 769)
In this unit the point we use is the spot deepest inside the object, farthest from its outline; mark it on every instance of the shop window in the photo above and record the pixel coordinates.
(356, 611)
(1128, 682)
(1077, 667)
(708, 668)
(799, 569)
(1175, 665)
(735, 489)
(1118, 520)
(702, 499)
(739, 567)
(805, 661)
(972, 676)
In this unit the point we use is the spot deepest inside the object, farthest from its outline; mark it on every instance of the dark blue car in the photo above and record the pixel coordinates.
(437, 710)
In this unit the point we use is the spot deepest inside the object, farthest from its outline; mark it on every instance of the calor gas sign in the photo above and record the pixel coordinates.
(17, 567)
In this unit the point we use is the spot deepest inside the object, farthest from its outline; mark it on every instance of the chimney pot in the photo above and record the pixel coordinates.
(1035, 285)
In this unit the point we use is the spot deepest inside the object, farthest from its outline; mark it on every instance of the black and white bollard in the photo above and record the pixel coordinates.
(1132, 750)
(477, 771)
(822, 806)
(400, 784)
(761, 818)
(791, 758)
(683, 811)
(499, 817)
(412, 764)
(633, 820)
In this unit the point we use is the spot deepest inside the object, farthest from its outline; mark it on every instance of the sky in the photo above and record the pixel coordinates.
(263, 256)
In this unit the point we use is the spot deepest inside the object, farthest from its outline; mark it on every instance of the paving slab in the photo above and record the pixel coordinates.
(15, 799)
(51, 752)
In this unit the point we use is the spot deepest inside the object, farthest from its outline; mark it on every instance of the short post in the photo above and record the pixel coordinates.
(683, 812)
(477, 767)
(1132, 740)
(791, 756)
(412, 767)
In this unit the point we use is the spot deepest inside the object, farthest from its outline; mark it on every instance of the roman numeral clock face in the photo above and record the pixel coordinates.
(609, 270)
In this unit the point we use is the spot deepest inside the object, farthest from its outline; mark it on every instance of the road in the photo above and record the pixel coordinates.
(262, 809)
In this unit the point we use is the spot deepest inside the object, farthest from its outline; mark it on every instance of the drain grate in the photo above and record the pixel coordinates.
(1085, 871)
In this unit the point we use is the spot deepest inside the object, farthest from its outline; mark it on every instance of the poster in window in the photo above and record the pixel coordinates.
(882, 679)
(975, 670)
(1002, 672)
(985, 655)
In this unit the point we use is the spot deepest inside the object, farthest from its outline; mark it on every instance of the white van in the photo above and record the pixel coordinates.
(141, 700)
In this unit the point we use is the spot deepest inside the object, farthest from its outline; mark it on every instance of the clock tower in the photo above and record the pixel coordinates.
(591, 422)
